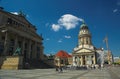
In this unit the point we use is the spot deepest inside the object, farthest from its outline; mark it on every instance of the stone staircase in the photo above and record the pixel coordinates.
(12, 62)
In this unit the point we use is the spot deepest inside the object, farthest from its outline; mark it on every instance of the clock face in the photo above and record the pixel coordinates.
(83, 31)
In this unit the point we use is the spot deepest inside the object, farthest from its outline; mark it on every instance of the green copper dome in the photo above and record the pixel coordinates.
(83, 26)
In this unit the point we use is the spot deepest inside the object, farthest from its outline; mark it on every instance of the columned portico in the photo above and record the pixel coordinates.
(84, 60)
(85, 51)
(6, 41)
(18, 37)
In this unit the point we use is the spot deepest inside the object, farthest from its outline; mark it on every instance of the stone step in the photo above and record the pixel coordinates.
(11, 62)
(9, 66)
(10, 58)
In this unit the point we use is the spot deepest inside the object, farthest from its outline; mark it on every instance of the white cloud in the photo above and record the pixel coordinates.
(55, 27)
(68, 37)
(60, 40)
(115, 10)
(15, 13)
(67, 21)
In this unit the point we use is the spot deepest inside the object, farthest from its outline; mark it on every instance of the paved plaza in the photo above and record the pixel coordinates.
(105, 73)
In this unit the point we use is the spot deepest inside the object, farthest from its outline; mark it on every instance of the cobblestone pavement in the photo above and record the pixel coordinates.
(106, 73)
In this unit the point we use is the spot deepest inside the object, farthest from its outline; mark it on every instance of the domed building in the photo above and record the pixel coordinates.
(84, 53)
(62, 58)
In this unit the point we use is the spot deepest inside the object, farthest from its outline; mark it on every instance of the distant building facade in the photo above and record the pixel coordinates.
(108, 57)
(100, 56)
(117, 60)
(62, 58)
(86, 53)
(18, 37)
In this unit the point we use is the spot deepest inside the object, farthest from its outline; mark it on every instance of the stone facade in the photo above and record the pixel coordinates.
(18, 37)
(62, 58)
(85, 52)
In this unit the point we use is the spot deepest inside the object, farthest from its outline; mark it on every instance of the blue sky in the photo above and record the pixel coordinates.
(59, 33)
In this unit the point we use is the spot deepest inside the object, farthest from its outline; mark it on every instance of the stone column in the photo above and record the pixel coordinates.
(35, 50)
(16, 43)
(38, 51)
(6, 43)
(85, 59)
(81, 60)
(29, 49)
(41, 52)
(74, 64)
(94, 59)
(23, 46)
(90, 59)
(78, 60)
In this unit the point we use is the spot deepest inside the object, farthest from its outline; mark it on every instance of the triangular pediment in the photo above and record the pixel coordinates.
(20, 17)
(84, 50)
